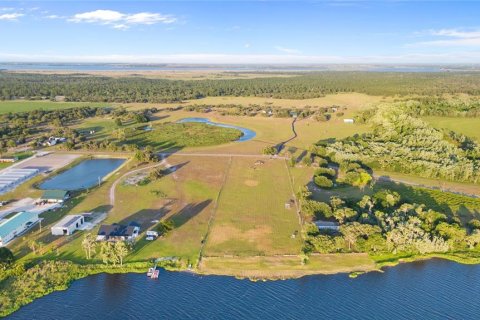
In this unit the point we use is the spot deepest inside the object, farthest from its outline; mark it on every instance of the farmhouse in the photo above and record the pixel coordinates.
(16, 225)
(348, 120)
(327, 225)
(55, 196)
(118, 232)
(68, 225)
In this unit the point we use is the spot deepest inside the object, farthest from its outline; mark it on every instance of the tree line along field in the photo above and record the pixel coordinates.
(309, 85)
(29, 105)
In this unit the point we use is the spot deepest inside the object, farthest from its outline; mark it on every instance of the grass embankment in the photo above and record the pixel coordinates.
(283, 267)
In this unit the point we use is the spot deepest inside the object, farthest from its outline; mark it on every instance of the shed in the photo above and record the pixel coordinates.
(68, 225)
(55, 196)
(348, 120)
(16, 225)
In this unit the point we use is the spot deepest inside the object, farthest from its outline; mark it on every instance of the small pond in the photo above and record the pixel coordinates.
(247, 133)
(84, 175)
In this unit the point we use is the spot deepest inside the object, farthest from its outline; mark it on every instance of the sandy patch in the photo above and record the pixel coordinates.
(251, 183)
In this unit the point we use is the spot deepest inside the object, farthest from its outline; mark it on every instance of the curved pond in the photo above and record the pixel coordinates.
(84, 175)
(247, 133)
(436, 289)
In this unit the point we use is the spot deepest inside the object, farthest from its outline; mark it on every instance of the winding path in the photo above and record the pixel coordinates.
(281, 145)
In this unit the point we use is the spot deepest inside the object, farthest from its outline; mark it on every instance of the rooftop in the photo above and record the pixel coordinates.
(9, 225)
(55, 194)
(67, 221)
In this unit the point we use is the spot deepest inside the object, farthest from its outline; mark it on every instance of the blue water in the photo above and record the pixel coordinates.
(82, 176)
(247, 133)
(79, 67)
(424, 290)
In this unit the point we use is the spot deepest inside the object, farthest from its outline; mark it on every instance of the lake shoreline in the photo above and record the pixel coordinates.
(141, 267)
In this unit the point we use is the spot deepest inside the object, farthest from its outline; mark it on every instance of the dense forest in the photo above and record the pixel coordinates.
(311, 85)
(401, 142)
(384, 223)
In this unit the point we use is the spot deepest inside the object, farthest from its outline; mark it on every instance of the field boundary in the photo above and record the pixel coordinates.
(214, 211)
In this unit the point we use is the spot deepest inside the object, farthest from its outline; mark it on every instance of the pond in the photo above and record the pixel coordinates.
(247, 133)
(435, 289)
(84, 175)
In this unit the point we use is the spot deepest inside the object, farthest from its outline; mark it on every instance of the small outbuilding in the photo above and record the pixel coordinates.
(55, 196)
(16, 225)
(327, 225)
(68, 225)
(348, 120)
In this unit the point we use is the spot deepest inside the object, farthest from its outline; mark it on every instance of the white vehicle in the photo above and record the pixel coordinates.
(150, 238)
(151, 233)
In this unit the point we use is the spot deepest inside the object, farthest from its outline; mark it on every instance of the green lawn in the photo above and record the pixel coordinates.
(179, 135)
(467, 126)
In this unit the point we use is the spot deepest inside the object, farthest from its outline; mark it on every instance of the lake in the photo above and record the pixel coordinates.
(84, 175)
(435, 289)
(247, 133)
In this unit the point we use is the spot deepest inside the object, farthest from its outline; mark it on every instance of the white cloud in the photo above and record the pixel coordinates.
(450, 38)
(53, 16)
(11, 16)
(287, 50)
(247, 45)
(121, 21)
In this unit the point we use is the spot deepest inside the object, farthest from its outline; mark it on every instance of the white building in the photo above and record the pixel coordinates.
(68, 225)
(327, 225)
(16, 225)
(348, 120)
(11, 178)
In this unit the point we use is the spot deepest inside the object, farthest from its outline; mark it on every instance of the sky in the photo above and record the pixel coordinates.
(262, 32)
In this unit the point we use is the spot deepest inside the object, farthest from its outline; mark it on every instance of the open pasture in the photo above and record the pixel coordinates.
(467, 126)
(251, 218)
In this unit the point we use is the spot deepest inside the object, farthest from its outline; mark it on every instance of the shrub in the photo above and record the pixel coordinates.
(323, 182)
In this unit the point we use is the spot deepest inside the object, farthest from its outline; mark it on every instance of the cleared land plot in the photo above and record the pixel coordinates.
(352, 100)
(287, 267)
(192, 191)
(52, 161)
(467, 126)
(251, 218)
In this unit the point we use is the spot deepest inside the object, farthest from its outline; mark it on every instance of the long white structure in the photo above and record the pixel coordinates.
(16, 225)
(11, 178)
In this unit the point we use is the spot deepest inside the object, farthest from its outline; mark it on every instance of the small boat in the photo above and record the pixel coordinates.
(150, 272)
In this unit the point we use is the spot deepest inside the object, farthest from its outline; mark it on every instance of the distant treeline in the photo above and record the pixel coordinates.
(80, 87)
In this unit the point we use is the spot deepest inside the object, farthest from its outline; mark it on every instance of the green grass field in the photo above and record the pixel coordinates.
(467, 126)
(251, 218)
(180, 135)
(22, 105)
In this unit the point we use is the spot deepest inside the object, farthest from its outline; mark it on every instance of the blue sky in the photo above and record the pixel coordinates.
(241, 31)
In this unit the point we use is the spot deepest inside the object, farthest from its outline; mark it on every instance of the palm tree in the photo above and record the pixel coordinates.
(88, 245)
(121, 251)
